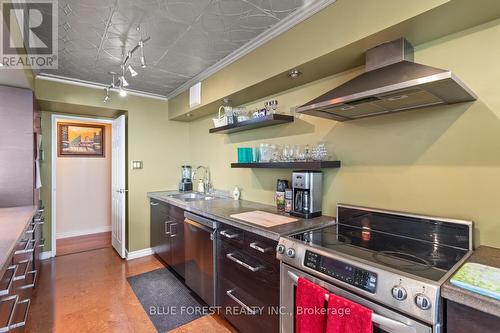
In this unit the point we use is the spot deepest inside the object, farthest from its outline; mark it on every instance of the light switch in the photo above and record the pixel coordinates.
(136, 165)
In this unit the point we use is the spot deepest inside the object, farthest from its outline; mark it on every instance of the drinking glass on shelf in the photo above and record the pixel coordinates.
(286, 153)
(264, 152)
(307, 153)
(267, 105)
(299, 154)
(274, 105)
(256, 154)
(291, 153)
(275, 153)
(319, 152)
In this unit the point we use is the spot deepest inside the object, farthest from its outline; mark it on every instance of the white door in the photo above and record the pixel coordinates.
(118, 186)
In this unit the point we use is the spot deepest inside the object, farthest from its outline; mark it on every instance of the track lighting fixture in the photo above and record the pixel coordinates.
(119, 81)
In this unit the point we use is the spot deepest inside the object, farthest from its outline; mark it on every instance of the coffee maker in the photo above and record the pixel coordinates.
(186, 183)
(307, 190)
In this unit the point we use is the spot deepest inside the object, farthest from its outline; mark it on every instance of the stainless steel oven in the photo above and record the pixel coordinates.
(384, 319)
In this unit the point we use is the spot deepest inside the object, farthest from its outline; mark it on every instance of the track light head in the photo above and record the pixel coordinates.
(143, 59)
(131, 70)
(123, 82)
(122, 92)
(106, 97)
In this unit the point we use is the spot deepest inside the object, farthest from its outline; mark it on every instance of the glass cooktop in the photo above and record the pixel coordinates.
(420, 246)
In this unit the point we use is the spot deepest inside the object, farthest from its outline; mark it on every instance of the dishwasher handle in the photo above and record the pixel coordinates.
(198, 225)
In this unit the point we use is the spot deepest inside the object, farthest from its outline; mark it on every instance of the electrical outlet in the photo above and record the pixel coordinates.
(136, 165)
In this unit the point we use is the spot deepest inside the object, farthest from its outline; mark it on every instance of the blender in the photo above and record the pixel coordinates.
(186, 183)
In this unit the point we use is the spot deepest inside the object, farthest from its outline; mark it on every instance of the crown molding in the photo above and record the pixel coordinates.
(309, 9)
(95, 85)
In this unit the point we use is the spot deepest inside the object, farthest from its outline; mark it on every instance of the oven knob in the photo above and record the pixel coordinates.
(280, 248)
(423, 302)
(399, 293)
(290, 253)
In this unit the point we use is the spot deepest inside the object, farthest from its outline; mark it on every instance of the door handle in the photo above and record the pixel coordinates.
(167, 227)
(256, 246)
(231, 257)
(198, 225)
(240, 303)
(226, 234)
(377, 319)
(173, 233)
(154, 203)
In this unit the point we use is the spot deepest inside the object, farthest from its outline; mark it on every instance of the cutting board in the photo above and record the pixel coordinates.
(481, 279)
(264, 219)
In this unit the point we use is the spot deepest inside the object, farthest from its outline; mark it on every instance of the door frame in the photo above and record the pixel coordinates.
(53, 148)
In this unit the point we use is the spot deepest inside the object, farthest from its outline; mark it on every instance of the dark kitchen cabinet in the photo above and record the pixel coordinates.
(159, 227)
(167, 234)
(464, 319)
(176, 234)
(20, 126)
(248, 279)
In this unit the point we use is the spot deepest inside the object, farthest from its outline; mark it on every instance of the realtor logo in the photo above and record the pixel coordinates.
(29, 34)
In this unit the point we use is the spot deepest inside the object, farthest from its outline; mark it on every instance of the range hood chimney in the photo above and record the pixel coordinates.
(391, 82)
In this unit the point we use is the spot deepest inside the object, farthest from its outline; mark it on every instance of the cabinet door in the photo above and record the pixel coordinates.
(165, 247)
(177, 246)
(17, 163)
(159, 214)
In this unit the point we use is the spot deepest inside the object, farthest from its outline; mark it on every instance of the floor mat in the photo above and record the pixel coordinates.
(166, 300)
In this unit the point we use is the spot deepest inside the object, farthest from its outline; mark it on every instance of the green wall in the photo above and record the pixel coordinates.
(442, 161)
(161, 144)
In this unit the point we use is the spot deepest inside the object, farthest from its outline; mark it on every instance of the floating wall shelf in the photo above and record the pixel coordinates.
(269, 120)
(289, 165)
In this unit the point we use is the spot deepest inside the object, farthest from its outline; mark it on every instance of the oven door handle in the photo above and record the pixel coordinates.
(385, 322)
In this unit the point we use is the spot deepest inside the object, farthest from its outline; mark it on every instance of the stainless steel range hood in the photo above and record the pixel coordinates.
(391, 82)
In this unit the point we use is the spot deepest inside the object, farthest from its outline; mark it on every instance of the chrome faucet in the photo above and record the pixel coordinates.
(204, 184)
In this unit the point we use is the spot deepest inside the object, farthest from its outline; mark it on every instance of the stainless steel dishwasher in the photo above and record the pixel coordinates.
(200, 246)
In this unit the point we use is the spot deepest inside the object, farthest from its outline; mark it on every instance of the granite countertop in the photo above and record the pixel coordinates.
(221, 209)
(13, 222)
(482, 255)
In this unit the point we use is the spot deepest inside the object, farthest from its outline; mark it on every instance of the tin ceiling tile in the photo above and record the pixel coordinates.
(187, 36)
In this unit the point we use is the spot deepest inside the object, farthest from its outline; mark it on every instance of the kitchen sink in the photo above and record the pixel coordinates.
(187, 197)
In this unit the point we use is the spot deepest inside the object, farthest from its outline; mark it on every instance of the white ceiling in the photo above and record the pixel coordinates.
(187, 36)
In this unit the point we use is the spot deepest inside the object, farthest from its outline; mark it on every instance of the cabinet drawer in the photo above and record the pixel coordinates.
(253, 276)
(176, 213)
(464, 319)
(247, 313)
(24, 250)
(231, 235)
(7, 280)
(159, 206)
(23, 287)
(260, 247)
(13, 313)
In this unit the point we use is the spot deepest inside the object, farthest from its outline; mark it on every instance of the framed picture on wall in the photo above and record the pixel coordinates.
(80, 140)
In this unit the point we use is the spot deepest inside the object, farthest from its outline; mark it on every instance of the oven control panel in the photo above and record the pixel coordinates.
(342, 271)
